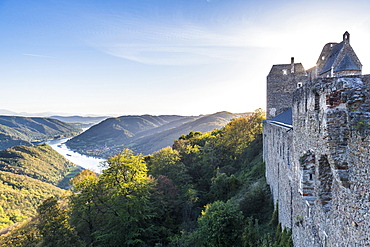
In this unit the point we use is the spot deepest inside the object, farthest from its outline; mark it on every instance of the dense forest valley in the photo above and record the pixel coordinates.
(208, 189)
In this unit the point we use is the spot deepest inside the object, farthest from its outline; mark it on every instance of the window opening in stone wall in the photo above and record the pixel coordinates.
(299, 84)
(325, 182)
(285, 71)
(305, 105)
(317, 102)
(342, 171)
(307, 166)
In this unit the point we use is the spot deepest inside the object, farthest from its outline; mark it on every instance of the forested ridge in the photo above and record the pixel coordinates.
(15, 131)
(208, 189)
(143, 134)
(28, 176)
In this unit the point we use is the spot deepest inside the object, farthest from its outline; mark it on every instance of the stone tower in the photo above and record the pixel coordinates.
(282, 81)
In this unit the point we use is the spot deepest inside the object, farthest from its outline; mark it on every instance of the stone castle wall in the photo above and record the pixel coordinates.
(279, 175)
(323, 185)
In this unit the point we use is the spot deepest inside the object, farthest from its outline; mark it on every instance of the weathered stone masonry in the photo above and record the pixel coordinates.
(280, 153)
(282, 81)
(317, 162)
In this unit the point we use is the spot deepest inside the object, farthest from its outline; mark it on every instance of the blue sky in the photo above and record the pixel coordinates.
(188, 57)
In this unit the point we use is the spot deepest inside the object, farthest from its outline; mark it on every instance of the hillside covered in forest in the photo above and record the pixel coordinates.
(29, 175)
(207, 190)
(143, 134)
(16, 131)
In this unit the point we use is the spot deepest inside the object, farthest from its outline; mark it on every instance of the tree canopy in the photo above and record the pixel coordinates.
(208, 189)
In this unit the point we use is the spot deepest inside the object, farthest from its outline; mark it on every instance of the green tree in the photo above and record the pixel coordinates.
(167, 162)
(223, 187)
(126, 202)
(220, 225)
(166, 204)
(125, 174)
(54, 226)
(251, 233)
(115, 205)
(256, 202)
(84, 214)
(239, 133)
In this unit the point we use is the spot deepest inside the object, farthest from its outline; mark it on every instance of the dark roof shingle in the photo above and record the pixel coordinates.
(346, 64)
(332, 57)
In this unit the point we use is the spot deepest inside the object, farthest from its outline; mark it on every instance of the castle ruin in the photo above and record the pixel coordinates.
(317, 148)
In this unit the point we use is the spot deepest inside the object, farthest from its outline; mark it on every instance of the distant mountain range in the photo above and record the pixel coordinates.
(80, 122)
(145, 133)
(5, 112)
(16, 130)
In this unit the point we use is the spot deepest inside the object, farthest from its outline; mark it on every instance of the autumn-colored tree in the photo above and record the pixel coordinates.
(240, 132)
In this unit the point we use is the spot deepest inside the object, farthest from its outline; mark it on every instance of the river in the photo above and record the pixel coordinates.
(84, 161)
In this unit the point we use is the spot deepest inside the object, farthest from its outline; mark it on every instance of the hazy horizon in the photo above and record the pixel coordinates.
(5, 112)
